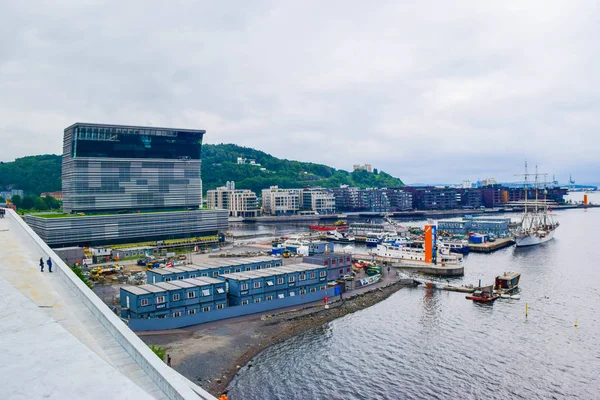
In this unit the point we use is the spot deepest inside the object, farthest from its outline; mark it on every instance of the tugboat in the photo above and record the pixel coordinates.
(483, 295)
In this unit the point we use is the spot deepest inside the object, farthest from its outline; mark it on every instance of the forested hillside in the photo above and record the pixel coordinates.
(37, 174)
(219, 165)
(33, 174)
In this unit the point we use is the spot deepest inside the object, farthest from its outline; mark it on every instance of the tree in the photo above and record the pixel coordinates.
(16, 200)
(51, 202)
(28, 202)
(159, 351)
(40, 204)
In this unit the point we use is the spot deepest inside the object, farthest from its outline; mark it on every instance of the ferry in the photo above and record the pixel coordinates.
(416, 254)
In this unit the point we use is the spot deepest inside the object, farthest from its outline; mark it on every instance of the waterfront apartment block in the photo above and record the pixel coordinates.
(319, 200)
(346, 198)
(278, 201)
(213, 268)
(374, 200)
(116, 167)
(64, 230)
(239, 202)
(337, 265)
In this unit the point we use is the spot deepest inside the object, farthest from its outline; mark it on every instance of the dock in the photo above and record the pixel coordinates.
(414, 265)
(490, 247)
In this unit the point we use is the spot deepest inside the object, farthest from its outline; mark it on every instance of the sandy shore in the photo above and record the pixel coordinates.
(211, 354)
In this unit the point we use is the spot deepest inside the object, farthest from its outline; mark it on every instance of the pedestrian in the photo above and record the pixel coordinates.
(41, 264)
(49, 262)
(388, 269)
(169, 360)
(1, 212)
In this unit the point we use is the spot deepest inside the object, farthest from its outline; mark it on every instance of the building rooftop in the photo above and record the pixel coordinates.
(56, 334)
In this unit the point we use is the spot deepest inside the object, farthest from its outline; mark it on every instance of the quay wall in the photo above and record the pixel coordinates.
(169, 381)
(155, 324)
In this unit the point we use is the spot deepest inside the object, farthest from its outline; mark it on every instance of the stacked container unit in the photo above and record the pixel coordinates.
(338, 265)
(173, 299)
(275, 283)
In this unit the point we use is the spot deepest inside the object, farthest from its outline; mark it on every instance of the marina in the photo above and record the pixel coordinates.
(548, 342)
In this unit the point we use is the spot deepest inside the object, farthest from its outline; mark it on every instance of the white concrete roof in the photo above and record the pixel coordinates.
(53, 346)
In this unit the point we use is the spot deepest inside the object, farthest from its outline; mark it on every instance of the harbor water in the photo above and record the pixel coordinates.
(428, 344)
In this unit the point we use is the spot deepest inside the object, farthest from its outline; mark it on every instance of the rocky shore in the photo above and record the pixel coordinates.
(212, 354)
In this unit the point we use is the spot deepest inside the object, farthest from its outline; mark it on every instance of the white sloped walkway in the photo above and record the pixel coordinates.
(52, 346)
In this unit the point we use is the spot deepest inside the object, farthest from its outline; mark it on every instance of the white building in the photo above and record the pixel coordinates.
(241, 160)
(281, 201)
(7, 194)
(239, 202)
(366, 167)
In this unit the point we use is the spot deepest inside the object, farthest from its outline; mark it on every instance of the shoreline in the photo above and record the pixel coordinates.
(226, 347)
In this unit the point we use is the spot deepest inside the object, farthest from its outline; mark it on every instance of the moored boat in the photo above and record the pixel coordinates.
(507, 282)
(483, 294)
(336, 226)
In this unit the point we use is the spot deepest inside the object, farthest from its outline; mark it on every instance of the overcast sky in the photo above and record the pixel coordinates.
(429, 92)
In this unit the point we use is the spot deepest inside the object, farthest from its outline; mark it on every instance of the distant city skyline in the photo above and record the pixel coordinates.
(427, 93)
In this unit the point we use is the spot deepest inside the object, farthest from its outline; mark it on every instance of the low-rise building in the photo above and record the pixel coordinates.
(469, 224)
(337, 265)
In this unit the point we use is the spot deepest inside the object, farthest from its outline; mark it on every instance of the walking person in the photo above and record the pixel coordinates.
(169, 360)
(49, 262)
(41, 264)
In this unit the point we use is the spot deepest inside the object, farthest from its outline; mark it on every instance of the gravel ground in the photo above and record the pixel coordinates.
(211, 354)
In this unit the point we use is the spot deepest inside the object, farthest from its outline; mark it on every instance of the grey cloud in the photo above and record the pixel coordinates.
(430, 91)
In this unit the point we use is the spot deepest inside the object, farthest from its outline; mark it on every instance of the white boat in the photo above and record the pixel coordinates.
(414, 254)
(339, 236)
(296, 241)
(460, 246)
(537, 224)
(373, 239)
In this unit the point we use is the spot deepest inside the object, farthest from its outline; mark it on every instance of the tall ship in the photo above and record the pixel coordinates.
(537, 223)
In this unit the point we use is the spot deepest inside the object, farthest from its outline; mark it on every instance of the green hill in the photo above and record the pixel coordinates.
(219, 165)
(36, 174)
(33, 174)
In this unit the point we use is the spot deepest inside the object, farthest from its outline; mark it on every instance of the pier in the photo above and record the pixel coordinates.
(414, 265)
(489, 247)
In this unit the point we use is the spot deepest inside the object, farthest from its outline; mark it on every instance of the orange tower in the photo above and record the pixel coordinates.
(585, 200)
(429, 243)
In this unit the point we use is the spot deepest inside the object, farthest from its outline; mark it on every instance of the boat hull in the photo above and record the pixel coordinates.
(532, 240)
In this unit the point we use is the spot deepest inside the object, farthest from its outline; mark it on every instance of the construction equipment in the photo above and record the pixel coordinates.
(96, 273)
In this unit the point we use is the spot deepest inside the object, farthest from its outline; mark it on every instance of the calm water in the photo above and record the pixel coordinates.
(432, 344)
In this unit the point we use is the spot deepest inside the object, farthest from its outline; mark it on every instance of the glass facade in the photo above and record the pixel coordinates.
(113, 168)
(134, 142)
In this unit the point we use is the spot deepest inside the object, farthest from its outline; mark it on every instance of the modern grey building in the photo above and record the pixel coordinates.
(116, 167)
(134, 184)
(127, 228)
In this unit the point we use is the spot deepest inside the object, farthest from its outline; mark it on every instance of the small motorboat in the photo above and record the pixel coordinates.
(483, 295)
